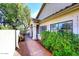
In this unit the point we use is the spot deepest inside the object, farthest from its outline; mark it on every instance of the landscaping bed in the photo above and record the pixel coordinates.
(61, 44)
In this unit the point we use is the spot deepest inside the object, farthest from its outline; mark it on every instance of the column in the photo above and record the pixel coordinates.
(34, 32)
(17, 37)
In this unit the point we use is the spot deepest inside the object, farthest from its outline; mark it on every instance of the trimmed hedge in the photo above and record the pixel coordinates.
(60, 44)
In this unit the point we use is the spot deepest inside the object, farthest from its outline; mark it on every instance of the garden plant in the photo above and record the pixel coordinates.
(61, 44)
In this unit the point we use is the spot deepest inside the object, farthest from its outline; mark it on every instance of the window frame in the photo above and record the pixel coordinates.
(41, 28)
(54, 24)
(62, 22)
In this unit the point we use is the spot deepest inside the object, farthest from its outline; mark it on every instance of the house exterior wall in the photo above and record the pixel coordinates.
(74, 16)
(51, 8)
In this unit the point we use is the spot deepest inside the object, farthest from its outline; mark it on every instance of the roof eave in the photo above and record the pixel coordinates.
(43, 5)
(61, 12)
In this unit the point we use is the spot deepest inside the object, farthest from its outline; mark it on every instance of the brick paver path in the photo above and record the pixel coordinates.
(36, 49)
(23, 49)
(32, 48)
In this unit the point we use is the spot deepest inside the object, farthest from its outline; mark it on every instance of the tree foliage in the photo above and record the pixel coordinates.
(16, 15)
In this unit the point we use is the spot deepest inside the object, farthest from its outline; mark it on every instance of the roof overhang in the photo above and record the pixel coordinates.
(43, 5)
(35, 20)
(64, 11)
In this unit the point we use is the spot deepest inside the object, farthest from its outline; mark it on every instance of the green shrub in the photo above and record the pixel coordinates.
(61, 44)
(44, 35)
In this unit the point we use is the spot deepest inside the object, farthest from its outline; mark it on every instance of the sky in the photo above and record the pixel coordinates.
(35, 7)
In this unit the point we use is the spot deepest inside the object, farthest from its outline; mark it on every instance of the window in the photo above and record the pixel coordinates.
(43, 28)
(54, 27)
(69, 26)
(62, 26)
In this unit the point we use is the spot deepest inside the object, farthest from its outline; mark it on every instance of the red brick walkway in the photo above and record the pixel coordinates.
(23, 49)
(36, 49)
(32, 48)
